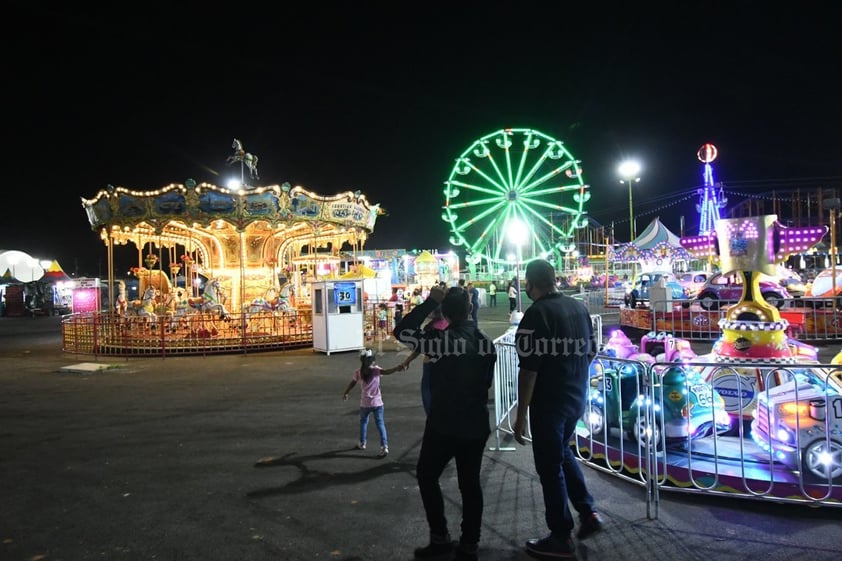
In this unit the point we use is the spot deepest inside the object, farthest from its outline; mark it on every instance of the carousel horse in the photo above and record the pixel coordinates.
(212, 299)
(274, 302)
(247, 158)
(147, 306)
(121, 304)
(182, 307)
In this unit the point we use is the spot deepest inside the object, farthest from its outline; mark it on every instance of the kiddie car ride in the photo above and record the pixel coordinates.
(638, 292)
(800, 423)
(682, 407)
(729, 289)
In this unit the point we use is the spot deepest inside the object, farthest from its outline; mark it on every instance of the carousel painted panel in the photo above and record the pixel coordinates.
(99, 213)
(345, 211)
(304, 207)
(170, 204)
(214, 203)
(261, 204)
(131, 206)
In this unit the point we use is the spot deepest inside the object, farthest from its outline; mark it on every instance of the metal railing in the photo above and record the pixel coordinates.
(810, 319)
(783, 421)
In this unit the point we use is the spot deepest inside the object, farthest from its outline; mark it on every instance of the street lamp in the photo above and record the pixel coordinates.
(628, 171)
(517, 232)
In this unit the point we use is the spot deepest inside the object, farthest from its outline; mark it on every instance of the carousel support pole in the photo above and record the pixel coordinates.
(241, 306)
(109, 249)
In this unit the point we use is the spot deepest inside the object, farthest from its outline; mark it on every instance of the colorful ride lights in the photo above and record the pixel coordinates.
(792, 240)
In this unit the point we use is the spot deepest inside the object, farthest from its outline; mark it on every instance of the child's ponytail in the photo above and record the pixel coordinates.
(366, 360)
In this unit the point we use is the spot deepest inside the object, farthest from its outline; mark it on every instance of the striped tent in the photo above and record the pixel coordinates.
(656, 248)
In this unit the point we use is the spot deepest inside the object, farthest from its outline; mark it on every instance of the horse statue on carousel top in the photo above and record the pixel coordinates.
(247, 158)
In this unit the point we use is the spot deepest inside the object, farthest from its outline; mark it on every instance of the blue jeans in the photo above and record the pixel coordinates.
(559, 471)
(378, 422)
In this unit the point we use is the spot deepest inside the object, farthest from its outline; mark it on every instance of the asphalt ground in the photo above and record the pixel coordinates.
(251, 457)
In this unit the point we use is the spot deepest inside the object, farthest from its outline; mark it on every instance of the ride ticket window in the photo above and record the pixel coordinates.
(317, 302)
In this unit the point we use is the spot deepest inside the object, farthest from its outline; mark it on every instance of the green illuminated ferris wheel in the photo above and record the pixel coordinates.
(515, 176)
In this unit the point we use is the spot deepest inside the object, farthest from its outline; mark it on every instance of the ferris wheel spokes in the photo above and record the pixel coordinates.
(548, 153)
(491, 228)
(515, 172)
(552, 227)
(473, 187)
(458, 230)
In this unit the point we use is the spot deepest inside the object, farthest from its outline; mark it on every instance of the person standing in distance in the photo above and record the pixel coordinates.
(555, 344)
(473, 291)
(492, 295)
(512, 296)
(461, 359)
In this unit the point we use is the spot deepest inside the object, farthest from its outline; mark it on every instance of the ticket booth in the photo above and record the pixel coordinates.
(86, 296)
(338, 317)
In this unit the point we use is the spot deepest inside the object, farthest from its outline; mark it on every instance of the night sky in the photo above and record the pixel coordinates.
(382, 97)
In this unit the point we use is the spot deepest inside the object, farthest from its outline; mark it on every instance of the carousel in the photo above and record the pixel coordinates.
(219, 268)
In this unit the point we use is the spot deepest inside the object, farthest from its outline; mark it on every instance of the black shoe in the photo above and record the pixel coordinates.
(466, 552)
(434, 549)
(590, 524)
(551, 548)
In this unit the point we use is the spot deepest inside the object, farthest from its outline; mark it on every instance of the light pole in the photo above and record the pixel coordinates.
(833, 206)
(517, 232)
(628, 171)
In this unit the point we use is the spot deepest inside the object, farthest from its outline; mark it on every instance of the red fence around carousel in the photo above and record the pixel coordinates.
(109, 334)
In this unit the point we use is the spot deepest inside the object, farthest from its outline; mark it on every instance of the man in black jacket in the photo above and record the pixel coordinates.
(461, 372)
(555, 345)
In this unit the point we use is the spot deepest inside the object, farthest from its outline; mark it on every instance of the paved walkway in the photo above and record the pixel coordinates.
(251, 457)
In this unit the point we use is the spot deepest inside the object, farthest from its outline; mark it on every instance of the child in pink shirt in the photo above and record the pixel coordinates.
(371, 401)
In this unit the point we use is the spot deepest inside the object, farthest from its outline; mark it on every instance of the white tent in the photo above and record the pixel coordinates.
(23, 266)
(656, 248)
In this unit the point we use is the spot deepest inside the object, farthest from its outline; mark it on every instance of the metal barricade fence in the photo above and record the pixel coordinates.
(505, 381)
(810, 319)
(595, 301)
(750, 430)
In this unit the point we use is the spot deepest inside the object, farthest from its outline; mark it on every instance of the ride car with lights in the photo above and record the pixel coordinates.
(678, 407)
(799, 422)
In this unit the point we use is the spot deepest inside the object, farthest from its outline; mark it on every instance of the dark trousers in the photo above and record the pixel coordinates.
(559, 471)
(425, 386)
(492, 300)
(512, 304)
(436, 452)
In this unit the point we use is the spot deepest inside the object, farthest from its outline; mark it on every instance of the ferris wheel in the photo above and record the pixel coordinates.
(515, 176)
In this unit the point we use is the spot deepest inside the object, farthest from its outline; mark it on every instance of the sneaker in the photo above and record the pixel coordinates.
(438, 547)
(384, 451)
(360, 445)
(589, 524)
(551, 548)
